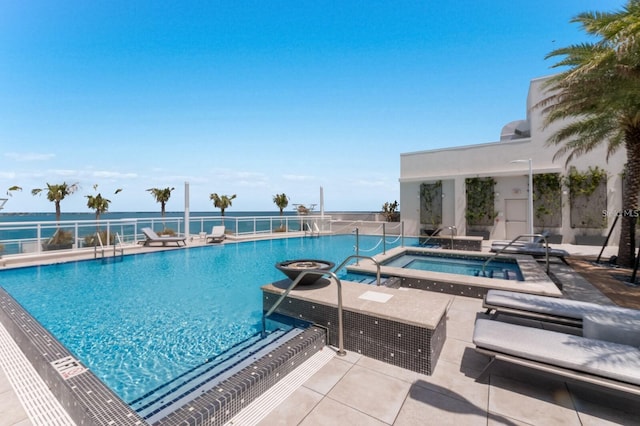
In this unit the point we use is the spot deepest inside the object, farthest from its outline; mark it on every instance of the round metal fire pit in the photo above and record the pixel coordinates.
(293, 268)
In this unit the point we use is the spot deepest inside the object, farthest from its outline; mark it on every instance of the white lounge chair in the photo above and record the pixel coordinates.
(217, 234)
(614, 365)
(152, 237)
(546, 308)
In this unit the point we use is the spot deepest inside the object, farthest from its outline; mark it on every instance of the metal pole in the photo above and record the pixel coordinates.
(186, 209)
(531, 197)
(357, 245)
(606, 241)
(384, 239)
(635, 269)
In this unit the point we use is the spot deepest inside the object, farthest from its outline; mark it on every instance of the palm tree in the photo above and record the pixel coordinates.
(57, 193)
(99, 203)
(600, 92)
(221, 202)
(161, 196)
(282, 201)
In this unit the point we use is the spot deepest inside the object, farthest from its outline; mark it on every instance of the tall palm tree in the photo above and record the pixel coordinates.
(56, 193)
(600, 92)
(282, 201)
(162, 196)
(221, 201)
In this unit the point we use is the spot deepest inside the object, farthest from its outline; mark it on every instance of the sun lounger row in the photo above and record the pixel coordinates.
(607, 353)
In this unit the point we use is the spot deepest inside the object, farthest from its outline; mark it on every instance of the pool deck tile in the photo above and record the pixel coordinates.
(355, 389)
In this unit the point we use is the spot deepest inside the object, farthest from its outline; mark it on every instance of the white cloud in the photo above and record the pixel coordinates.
(65, 172)
(113, 175)
(28, 156)
(298, 177)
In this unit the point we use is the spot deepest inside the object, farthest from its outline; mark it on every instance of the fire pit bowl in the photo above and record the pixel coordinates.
(293, 268)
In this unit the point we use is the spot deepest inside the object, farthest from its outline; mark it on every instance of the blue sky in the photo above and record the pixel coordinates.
(256, 98)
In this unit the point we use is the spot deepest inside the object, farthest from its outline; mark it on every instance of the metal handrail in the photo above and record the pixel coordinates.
(119, 241)
(452, 228)
(95, 246)
(341, 351)
(357, 256)
(544, 238)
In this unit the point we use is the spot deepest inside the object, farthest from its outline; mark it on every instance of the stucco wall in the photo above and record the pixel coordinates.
(495, 159)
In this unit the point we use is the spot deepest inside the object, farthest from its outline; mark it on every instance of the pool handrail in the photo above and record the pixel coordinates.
(452, 228)
(546, 251)
(341, 351)
(357, 256)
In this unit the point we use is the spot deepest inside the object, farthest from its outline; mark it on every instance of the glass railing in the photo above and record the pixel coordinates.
(37, 237)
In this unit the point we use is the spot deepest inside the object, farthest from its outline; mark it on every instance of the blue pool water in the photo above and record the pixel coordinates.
(461, 265)
(141, 322)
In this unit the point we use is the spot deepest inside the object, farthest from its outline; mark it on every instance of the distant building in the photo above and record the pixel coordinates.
(433, 185)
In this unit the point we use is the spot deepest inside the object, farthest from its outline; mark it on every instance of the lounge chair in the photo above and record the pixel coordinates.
(531, 249)
(520, 243)
(546, 308)
(152, 237)
(613, 365)
(217, 234)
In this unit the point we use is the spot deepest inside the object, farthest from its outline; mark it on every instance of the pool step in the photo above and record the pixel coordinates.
(179, 391)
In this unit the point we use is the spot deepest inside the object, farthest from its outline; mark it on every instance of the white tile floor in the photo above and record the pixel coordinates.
(24, 397)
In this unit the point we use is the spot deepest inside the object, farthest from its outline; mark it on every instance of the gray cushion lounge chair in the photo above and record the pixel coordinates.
(531, 249)
(152, 237)
(217, 234)
(599, 362)
(546, 308)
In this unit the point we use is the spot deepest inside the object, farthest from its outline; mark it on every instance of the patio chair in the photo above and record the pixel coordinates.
(547, 308)
(217, 234)
(531, 249)
(152, 237)
(614, 365)
(520, 243)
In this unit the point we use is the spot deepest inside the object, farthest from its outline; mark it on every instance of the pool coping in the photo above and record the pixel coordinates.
(535, 281)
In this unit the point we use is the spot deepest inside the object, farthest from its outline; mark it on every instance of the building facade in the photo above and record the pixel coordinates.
(447, 187)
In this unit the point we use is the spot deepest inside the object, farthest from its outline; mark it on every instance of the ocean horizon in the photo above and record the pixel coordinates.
(76, 216)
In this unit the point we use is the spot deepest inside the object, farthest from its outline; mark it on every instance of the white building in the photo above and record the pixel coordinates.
(447, 170)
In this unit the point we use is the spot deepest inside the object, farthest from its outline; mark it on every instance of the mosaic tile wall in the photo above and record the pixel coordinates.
(445, 287)
(218, 406)
(397, 343)
(87, 400)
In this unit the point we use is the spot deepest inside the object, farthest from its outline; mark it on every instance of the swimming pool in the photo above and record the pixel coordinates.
(139, 323)
(507, 269)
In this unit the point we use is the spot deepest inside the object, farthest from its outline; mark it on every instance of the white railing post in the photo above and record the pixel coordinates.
(39, 237)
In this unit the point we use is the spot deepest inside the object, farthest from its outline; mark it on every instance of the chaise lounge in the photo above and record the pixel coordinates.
(531, 249)
(546, 308)
(588, 358)
(152, 237)
(217, 234)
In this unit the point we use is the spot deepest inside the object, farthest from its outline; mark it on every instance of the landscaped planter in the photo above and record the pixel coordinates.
(52, 247)
(590, 240)
(484, 234)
